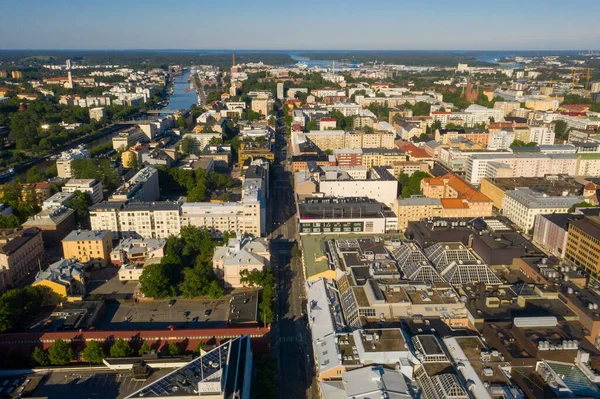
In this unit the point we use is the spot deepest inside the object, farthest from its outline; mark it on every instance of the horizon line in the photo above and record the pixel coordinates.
(286, 50)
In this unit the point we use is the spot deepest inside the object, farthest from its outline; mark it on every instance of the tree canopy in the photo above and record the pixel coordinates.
(121, 349)
(93, 352)
(60, 353)
(411, 185)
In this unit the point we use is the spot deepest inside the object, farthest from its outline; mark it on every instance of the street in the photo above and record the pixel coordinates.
(291, 342)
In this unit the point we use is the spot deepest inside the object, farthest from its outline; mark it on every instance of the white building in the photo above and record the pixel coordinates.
(63, 163)
(90, 186)
(380, 185)
(137, 219)
(523, 204)
(203, 139)
(500, 140)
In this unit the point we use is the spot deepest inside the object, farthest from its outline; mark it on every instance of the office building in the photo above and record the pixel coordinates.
(90, 247)
(523, 204)
(90, 186)
(137, 219)
(379, 185)
(21, 253)
(583, 245)
(318, 215)
(221, 373)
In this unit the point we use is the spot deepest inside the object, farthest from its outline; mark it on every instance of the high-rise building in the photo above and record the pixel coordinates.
(280, 91)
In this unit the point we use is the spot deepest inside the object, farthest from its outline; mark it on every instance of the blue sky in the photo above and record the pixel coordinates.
(304, 24)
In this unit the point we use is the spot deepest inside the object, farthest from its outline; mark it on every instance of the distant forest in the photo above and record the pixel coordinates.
(139, 58)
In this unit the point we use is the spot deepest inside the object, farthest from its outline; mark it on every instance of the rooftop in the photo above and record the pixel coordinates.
(86, 235)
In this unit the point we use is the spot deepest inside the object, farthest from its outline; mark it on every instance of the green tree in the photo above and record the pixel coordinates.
(174, 349)
(131, 162)
(181, 122)
(215, 291)
(60, 353)
(34, 175)
(155, 282)
(145, 348)
(411, 185)
(583, 204)
(561, 130)
(17, 306)
(121, 349)
(80, 204)
(188, 145)
(40, 357)
(295, 252)
(193, 285)
(93, 352)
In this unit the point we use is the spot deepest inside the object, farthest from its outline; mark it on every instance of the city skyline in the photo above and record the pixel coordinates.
(411, 25)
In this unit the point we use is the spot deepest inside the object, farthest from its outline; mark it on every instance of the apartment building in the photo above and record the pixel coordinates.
(372, 157)
(63, 163)
(128, 138)
(137, 219)
(244, 216)
(339, 139)
(523, 204)
(90, 247)
(55, 224)
(459, 198)
(349, 157)
(415, 209)
(446, 136)
(97, 113)
(204, 139)
(65, 278)
(21, 253)
(521, 164)
(500, 140)
(90, 186)
(262, 105)
(240, 254)
(143, 187)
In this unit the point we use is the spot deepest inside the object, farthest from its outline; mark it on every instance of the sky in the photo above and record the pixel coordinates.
(303, 24)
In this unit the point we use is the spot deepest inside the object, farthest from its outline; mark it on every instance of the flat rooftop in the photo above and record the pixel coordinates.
(553, 186)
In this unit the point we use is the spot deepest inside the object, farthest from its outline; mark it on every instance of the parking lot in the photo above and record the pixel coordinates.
(104, 284)
(184, 313)
(93, 385)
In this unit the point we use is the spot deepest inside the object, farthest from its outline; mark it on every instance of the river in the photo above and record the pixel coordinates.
(180, 99)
